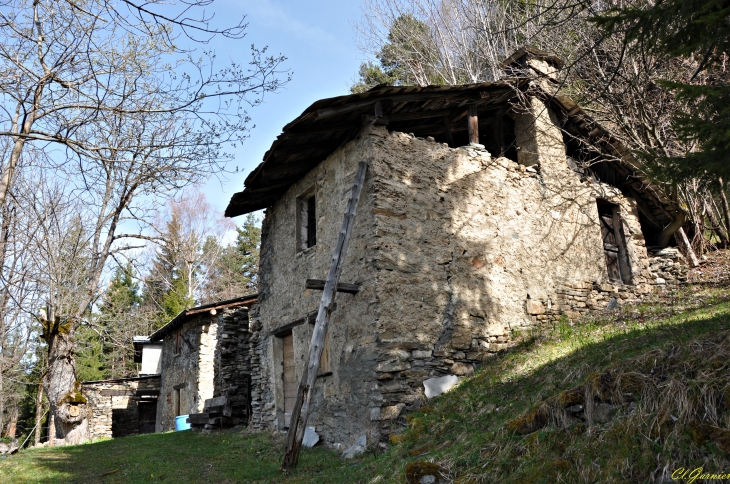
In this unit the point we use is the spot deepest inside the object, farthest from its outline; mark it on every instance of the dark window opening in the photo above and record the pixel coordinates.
(614, 242)
(178, 341)
(311, 222)
(307, 222)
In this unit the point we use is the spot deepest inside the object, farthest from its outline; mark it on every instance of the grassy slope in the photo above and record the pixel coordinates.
(679, 351)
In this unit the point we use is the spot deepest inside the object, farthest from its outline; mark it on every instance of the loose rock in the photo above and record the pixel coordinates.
(436, 386)
(356, 449)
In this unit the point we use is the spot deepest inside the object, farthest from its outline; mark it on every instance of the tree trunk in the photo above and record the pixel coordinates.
(716, 225)
(13, 423)
(683, 243)
(66, 402)
(725, 208)
(38, 415)
(2, 398)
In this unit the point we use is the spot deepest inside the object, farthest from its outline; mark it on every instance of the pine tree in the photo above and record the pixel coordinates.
(687, 29)
(167, 287)
(105, 349)
(409, 50)
(235, 271)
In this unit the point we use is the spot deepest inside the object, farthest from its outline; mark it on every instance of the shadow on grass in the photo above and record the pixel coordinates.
(463, 427)
(457, 427)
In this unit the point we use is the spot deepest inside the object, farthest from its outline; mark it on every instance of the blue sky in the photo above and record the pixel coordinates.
(318, 37)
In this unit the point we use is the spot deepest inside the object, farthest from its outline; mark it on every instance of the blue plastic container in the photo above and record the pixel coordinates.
(181, 423)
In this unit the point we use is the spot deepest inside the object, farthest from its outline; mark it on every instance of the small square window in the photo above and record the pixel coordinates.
(307, 221)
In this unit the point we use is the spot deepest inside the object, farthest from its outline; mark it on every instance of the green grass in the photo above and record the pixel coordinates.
(680, 350)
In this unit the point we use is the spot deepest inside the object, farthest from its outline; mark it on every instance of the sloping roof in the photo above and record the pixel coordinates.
(178, 320)
(329, 123)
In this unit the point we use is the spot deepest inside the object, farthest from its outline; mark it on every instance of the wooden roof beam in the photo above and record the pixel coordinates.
(483, 95)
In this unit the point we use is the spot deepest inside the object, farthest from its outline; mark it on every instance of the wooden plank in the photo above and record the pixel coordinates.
(289, 375)
(320, 128)
(419, 115)
(306, 387)
(198, 418)
(473, 123)
(117, 393)
(623, 256)
(469, 95)
(215, 402)
(318, 284)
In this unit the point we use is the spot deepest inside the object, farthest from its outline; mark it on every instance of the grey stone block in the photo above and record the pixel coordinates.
(310, 437)
(436, 386)
(356, 449)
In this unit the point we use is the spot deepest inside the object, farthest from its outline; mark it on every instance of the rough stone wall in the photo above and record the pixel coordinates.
(471, 248)
(263, 412)
(342, 403)
(113, 405)
(454, 250)
(184, 371)
(668, 267)
(233, 360)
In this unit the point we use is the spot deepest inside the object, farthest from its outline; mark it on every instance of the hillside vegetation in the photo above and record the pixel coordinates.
(631, 396)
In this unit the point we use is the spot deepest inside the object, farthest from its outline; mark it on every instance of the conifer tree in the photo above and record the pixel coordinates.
(687, 29)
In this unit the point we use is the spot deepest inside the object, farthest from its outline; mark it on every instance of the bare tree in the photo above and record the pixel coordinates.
(136, 117)
(623, 88)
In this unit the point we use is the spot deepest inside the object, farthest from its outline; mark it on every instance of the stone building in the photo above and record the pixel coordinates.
(487, 210)
(126, 406)
(205, 354)
(123, 406)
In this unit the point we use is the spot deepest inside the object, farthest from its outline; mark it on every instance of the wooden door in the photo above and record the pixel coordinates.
(289, 377)
(610, 247)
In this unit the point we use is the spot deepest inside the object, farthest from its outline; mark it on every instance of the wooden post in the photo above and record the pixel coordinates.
(301, 407)
(725, 207)
(684, 243)
(447, 130)
(473, 125)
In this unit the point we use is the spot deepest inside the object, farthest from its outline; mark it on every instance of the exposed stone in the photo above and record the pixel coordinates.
(310, 437)
(534, 307)
(356, 449)
(390, 366)
(9, 447)
(495, 329)
(417, 354)
(425, 473)
(612, 304)
(391, 412)
(436, 386)
(462, 369)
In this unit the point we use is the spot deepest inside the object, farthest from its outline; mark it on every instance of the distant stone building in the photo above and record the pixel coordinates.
(123, 406)
(487, 209)
(126, 406)
(205, 354)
